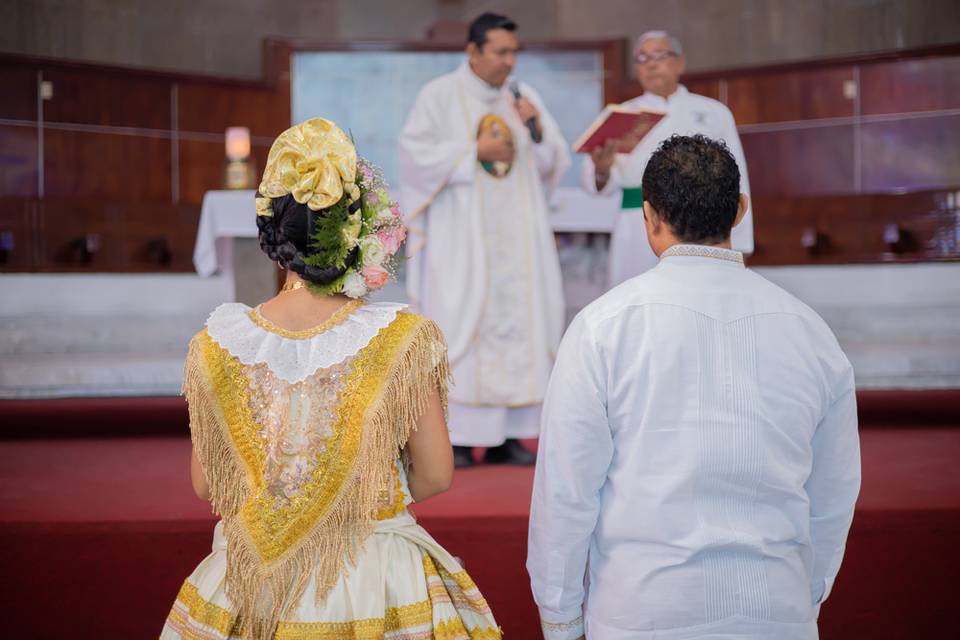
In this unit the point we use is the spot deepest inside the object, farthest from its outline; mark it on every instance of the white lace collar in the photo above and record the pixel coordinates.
(703, 251)
(293, 356)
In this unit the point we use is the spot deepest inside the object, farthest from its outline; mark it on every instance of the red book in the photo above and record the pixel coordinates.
(629, 126)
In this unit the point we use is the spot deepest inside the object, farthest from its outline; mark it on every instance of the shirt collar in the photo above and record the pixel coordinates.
(478, 87)
(672, 99)
(703, 251)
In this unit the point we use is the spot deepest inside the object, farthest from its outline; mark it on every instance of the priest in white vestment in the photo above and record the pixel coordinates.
(482, 261)
(699, 457)
(658, 64)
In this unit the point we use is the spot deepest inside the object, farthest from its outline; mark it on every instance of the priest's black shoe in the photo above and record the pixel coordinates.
(462, 457)
(510, 452)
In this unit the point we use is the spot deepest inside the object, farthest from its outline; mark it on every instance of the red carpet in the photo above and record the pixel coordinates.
(97, 535)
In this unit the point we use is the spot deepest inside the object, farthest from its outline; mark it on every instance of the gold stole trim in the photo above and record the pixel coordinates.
(271, 554)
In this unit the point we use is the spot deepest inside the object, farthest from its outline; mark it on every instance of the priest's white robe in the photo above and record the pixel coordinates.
(687, 114)
(482, 261)
(699, 461)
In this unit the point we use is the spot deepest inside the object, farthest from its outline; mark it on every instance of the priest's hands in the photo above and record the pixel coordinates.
(526, 110)
(603, 157)
(492, 146)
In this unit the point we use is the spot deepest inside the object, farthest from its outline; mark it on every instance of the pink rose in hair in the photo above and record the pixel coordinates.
(391, 238)
(395, 209)
(375, 276)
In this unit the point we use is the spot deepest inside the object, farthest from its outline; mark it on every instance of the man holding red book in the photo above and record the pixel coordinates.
(658, 64)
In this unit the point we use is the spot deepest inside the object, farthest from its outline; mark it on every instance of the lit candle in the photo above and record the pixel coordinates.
(238, 143)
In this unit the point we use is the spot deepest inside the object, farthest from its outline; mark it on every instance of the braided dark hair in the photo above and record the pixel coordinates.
(286, 239)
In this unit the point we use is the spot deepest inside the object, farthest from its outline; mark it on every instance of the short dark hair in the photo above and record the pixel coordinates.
(694, 184)
(488, 22)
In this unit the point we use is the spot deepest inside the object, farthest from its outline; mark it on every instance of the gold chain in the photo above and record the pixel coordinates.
(293, 286)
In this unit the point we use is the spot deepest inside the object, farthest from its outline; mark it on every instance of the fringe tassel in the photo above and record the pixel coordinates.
(264, 595)
(211, 441)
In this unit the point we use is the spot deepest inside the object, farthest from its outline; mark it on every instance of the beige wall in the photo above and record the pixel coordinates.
(727, 33)
(224, 36)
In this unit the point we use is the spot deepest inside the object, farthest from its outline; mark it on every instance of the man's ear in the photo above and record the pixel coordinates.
(650, 215)
(654, 225)
(741, 208)
(472, 49)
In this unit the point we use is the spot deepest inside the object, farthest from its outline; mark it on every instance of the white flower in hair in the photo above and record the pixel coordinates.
(354, 285)
(372, 250)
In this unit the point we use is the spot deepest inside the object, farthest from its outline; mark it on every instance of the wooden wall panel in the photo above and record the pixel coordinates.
(800, 161)
(202, 164)
(911, 155)
(158, 237)
(18, 161)
(109, 169)
(917, 230)
(924, 84)
(259, 158)
(709, 88)
(78, 235)
(93, 235)
(16, 229)
(931, 218)
(109, 166)
(614, 68)
(857, 228)
(782, 221)
(787, 96)
(212, 108)
(104, 98)
(19, 92)
(201, 169)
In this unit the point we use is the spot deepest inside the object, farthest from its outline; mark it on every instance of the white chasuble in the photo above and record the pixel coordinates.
(482, 260)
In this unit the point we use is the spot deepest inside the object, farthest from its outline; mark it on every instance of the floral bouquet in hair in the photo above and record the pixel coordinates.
(381, 235)
(354, 227)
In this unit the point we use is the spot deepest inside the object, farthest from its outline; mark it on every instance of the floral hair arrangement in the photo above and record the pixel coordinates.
(354, 229)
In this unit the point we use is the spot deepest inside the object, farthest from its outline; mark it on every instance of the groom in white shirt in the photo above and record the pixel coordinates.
(699, 459)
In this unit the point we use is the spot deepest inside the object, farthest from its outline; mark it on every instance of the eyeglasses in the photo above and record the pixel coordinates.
(656, 56)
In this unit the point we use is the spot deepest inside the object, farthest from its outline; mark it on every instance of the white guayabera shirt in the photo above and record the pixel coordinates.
(699, 460)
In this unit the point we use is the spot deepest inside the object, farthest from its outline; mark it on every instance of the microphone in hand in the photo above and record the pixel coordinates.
(535, 133)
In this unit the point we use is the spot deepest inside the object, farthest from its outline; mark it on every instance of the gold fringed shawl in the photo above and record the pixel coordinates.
(273, 552)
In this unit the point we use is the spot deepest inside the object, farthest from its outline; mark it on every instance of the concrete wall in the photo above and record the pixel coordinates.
(726, 33)
(222, 37)
(225, 36)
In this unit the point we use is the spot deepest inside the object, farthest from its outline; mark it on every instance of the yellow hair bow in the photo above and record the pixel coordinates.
(315, 161)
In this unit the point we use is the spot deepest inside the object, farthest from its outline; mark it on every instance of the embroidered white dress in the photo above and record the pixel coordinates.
(390, 579)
